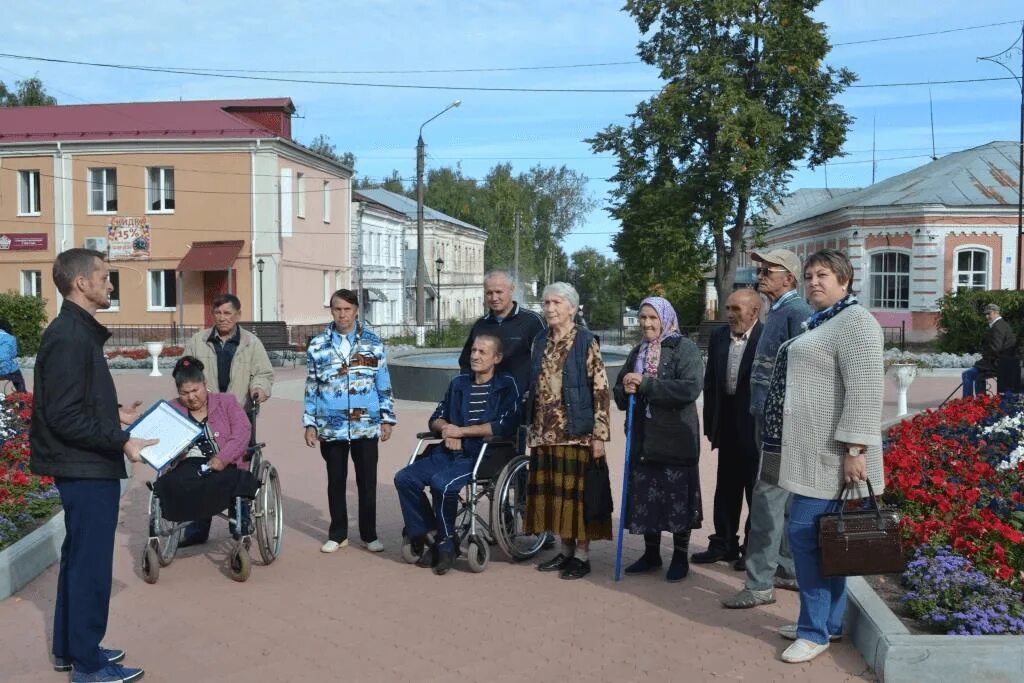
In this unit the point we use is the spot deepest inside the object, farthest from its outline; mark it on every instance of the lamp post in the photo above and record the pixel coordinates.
(1002, 59)
(259, 267)
(421, 275)
(439, 262)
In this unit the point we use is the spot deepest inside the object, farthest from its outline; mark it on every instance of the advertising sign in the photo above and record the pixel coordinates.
(128, 238)
(24, 241)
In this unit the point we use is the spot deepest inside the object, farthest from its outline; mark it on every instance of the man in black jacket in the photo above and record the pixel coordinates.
(76, 437)
(999, 341)
(515, 326)
(728, 423)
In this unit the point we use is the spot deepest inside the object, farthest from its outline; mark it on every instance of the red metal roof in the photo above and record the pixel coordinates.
(213, 255)
(207, 119)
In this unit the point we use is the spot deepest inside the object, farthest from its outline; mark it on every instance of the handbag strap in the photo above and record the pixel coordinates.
(849, 487)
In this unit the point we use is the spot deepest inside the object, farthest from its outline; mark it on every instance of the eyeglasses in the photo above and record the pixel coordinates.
(765, 271)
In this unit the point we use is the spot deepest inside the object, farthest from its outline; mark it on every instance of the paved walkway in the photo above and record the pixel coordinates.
(359, 616)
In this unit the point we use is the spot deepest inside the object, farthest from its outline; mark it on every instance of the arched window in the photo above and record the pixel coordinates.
(890, 280)
(971, 269)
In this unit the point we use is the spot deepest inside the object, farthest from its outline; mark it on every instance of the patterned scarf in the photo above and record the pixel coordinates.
(649, 355)
(771, 446)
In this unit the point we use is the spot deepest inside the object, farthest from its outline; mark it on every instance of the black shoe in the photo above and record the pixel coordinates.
(715, 554)
(647, 562)
(445, 561)
(192, 540)
(678, 568)
(575, 568)
(428, 558)
(555, 564)
(740, 564)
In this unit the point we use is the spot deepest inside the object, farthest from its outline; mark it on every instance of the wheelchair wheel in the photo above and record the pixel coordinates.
(409, 554)
(508, 511)
(268, 513)
(478, 554)
(168, 534)
(150, 564)
(240, 564)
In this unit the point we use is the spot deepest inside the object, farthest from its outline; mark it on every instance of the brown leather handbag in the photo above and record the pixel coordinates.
(859, 542)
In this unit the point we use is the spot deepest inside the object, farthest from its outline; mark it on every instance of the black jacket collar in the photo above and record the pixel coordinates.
(70, 308)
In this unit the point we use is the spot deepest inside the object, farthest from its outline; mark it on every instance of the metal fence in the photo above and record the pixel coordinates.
(137, 335)
(895, 336)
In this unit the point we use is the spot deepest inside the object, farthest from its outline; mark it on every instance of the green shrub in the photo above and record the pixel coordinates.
(453, 334)
(962, 323)
(27, 316)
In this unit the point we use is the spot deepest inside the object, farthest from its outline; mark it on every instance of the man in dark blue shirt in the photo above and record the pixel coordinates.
(474, 407)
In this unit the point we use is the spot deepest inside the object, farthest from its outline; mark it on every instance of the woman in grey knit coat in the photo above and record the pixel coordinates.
(823, 416)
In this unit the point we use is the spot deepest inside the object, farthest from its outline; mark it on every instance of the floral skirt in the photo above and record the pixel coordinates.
(554, 500)
(662, 498)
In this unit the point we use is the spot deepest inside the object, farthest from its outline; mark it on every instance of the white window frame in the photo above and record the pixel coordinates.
(327, 288)
(164, 172)
(152, 283)
(878, 301)
(30, 181)
(300, 194)
(327, 201)
(32, 283)
(987, 271)
(104, 175)
(115, 304)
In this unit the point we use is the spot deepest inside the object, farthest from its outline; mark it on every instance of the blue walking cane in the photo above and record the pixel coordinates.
(625, 487)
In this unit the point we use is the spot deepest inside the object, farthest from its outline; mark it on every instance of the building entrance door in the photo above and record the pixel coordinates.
(215, 283)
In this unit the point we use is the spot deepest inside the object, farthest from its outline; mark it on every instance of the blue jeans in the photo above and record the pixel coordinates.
(446, 473)
(822, 600)
(974, 382)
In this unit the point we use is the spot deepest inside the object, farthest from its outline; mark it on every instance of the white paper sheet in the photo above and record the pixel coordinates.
(175, 431)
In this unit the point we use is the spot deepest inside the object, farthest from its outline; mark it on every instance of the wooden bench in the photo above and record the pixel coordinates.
(273, 334)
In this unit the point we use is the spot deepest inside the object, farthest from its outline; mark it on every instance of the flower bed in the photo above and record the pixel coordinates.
(142, 354)
(25, 499)
(956, 474)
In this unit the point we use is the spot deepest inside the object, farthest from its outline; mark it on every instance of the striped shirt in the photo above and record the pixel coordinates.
(478, 395)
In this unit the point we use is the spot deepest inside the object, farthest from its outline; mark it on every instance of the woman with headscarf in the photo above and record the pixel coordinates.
(568, 431)
(665, 374)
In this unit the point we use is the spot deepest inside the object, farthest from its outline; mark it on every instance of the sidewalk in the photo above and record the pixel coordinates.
(359, 616)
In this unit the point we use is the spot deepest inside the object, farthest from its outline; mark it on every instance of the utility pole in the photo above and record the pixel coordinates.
(515, 261)
(1002, 59)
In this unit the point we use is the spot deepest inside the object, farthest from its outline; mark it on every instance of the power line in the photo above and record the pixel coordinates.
(929, 33)
(413, 71)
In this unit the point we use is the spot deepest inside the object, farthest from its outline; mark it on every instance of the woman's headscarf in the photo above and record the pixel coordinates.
(650, 352)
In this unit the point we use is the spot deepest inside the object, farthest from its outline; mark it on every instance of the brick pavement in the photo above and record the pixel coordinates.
(358, 616)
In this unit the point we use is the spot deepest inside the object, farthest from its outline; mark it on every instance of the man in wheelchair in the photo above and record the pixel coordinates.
(474, 407)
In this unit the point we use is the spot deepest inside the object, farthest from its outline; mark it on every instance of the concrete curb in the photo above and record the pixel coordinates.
(897, 656)
(30, 556)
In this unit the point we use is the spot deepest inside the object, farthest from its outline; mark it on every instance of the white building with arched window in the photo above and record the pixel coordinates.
(947, 225)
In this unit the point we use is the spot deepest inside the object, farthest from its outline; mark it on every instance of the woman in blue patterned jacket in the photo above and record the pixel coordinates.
(348, 407)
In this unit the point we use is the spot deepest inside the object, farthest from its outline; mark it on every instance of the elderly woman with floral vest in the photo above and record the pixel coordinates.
(822, 431)
(348, 408)
(665, 374)
(569, 411)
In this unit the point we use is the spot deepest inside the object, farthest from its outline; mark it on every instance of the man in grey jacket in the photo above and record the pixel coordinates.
(769, 563)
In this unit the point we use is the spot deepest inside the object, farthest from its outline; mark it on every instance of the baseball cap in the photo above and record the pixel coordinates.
(994, 308)
(779, 257)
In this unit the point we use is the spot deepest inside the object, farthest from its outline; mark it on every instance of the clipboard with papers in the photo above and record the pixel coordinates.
(175, 431)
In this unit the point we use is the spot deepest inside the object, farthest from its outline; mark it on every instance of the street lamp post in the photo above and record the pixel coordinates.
(1001, 59)
(421, 275)
(259, 267)
(440, 264)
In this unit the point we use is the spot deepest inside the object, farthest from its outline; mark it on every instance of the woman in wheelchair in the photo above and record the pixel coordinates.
(213, 472)
(474, 407)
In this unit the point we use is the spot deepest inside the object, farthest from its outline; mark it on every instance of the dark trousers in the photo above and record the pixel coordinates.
(86, 570)
(446, 473)
(16, 379)
(364, 459)
(737, 472)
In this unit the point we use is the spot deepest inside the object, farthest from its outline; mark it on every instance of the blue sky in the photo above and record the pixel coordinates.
(379, 125)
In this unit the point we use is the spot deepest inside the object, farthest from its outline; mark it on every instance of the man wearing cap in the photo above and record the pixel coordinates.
(767, 557)
(999, 341)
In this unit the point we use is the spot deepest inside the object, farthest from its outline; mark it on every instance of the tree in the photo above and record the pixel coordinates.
(597, 279)
(392, 184)
(323, 146)
(747, 97)
(28, 93)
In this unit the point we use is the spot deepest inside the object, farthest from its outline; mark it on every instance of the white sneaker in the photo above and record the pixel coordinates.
(789, 633)
(802, 651)
(333, 546)
(375, 546)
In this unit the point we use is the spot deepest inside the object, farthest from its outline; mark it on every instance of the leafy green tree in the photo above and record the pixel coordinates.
(392, 183)
(449, 191)
(746, 98)
(28, 93)
(323, 146)
(27, 316)
(597, 280)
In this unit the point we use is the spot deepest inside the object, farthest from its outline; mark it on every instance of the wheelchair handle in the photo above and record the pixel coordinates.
(428, 435)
